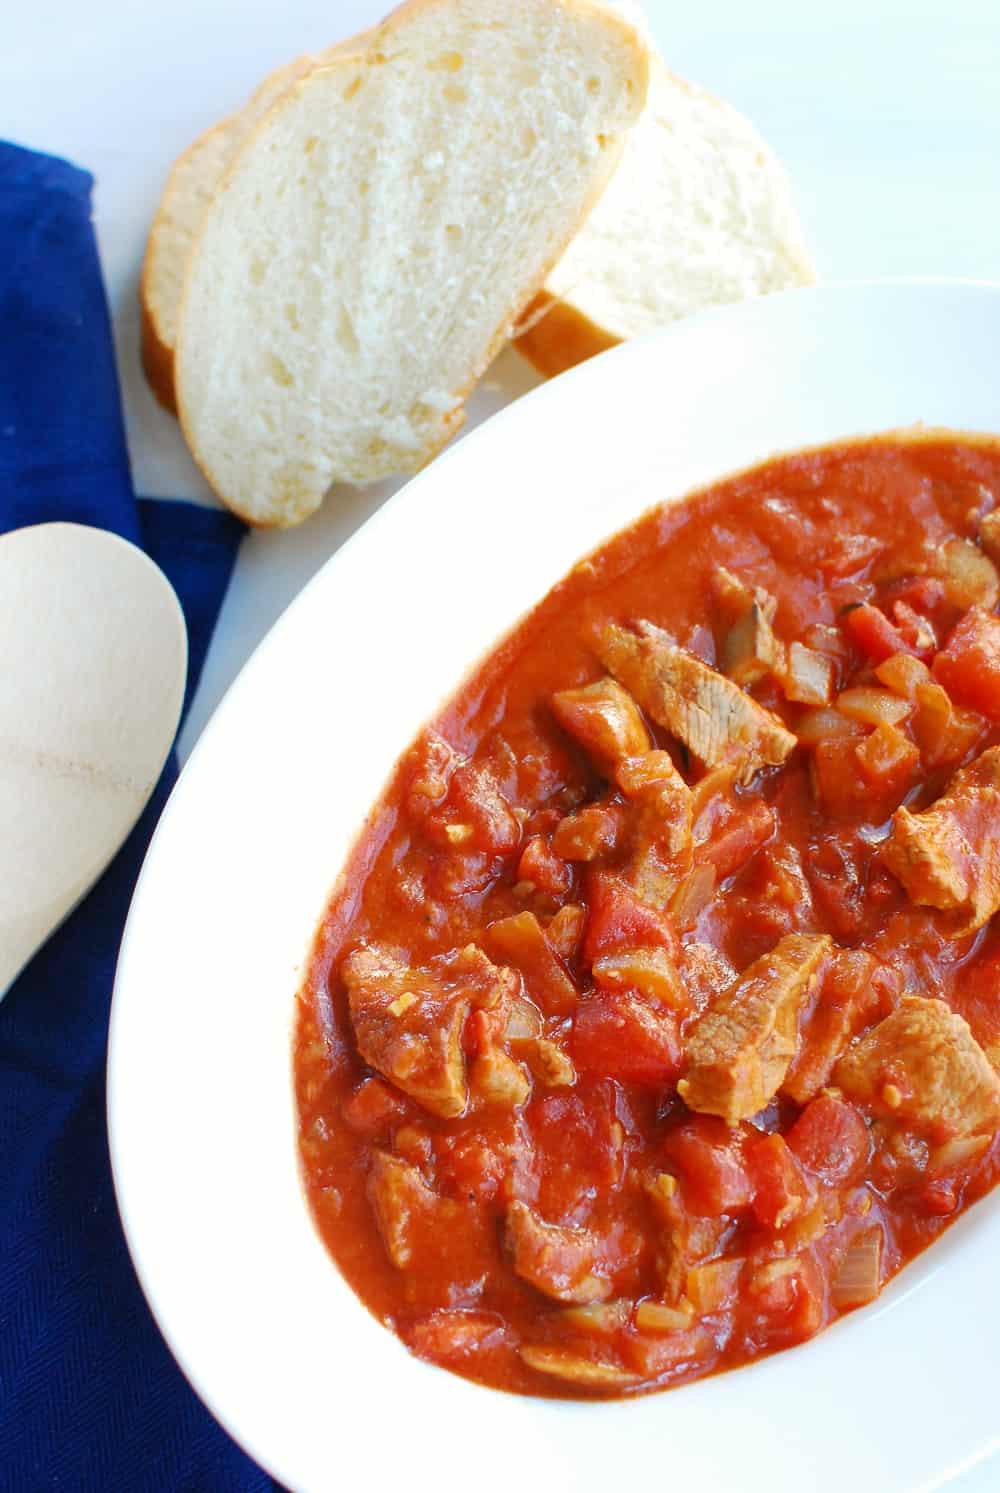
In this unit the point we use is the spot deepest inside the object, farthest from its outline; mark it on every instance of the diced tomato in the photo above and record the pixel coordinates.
(475, 815)
(373, 1107)
(830, 1139)
(750, 827)
(889, 761)
(915, 628)
(939, 1197)
(920, 593)
(841, 786)
(784, 1302)
(873, 634)
(620, 920)
(589, 832)
(968, 666)
(576, 1143)
(709, 1159)
(780, 1187)
(864, 779)
(473, 1165)
(850, 889)
(976, 996)
(692, 1349)
(450, 1336)
(619, 1034)
(541, 867)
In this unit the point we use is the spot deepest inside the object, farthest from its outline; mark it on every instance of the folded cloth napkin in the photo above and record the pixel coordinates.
(89, 1395)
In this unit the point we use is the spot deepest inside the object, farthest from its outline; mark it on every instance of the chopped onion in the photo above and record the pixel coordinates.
(809, 678)
(712, 1287)
(693, 895)
(524, 1021)
(903, 674)
(859, 1278)
(656, 1316)
(815, 726)
(650, 971)
(873, 707)
(958, 1152)
(599, 1316)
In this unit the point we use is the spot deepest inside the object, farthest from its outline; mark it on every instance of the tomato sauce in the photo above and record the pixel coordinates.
(652, 1024)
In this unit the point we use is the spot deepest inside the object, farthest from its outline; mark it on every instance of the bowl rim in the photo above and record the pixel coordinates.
(725, 323)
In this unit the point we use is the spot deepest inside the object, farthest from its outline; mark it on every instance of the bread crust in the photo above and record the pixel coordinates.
(156, 344)
(557, 336)
(351, 55)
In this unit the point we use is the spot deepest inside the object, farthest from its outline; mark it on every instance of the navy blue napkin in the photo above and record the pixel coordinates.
(89, 1395)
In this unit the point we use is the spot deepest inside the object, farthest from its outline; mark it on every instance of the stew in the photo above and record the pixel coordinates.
(655, 1021)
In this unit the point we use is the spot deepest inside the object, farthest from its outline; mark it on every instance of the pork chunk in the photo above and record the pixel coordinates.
(739, 1051)
(949, 856)
(568, 1264)
(408, 1022)
(710, 714)
(921, 1067)
(402, 1203)
(605, 720)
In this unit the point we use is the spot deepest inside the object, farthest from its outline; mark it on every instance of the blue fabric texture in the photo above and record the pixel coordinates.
(90, 1398)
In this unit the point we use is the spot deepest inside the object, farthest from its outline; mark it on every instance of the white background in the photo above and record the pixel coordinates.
(887, 115)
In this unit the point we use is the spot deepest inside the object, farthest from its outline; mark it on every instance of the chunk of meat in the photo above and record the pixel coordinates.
(739, 1051)
(687, 1239)
(568, 1264)
(409, 1022)
(475, 803)
(922, 1068)
(520, 941)
(402, 1203)
(949, 856)
(710, 714)
(605, 720)
(432, 764)
(660, 832)
(856, 989)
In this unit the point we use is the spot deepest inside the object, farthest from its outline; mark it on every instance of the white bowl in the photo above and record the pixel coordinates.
(200, 1102)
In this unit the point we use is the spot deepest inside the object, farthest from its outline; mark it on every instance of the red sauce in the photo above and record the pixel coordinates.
(515, 1183)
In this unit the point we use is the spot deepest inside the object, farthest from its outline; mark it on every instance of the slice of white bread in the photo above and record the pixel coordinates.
(187, 193)
(379, 235)
(699, 213)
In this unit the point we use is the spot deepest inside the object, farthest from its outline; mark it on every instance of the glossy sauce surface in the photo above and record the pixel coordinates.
(535, 928)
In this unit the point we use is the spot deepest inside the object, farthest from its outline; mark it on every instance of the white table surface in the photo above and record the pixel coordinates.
(886, 113)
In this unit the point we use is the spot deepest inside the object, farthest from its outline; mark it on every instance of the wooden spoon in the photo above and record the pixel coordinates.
(94, 652)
